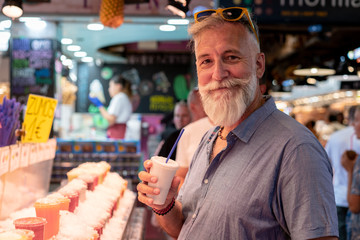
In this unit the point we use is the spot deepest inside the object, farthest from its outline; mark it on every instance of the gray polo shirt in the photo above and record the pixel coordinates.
(273, 181)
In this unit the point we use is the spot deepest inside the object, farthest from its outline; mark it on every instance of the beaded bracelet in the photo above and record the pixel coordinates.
(165, 210)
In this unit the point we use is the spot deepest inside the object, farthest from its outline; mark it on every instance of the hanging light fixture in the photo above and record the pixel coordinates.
(314, 67)
(314, 71)
(12, 8)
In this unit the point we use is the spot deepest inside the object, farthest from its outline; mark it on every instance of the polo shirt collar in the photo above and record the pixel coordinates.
(246, 128)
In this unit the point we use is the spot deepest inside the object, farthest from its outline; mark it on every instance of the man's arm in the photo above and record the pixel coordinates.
(172, 221)
(109, 117)
(353, 199)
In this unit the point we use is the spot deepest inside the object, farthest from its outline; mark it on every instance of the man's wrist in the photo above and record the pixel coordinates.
(166, 210)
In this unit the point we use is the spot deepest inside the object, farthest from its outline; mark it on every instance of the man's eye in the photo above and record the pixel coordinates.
(205, 62)
(231, 57)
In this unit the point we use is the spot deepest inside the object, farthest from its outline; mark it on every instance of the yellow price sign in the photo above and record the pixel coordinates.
(38, 120)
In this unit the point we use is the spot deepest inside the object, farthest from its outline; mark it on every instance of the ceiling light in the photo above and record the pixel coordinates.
(63, 57)
(35, 25)
(12, 8)
(95, 26)
(314, 71)
(80, 54)
(178, 21)
(74, 48)
(87, 59)
(29, 19)
(4, 41)
(67, 62)
(167, 28)
(66, 41)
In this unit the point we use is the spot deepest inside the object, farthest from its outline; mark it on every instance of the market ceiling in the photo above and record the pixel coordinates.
(284, 25)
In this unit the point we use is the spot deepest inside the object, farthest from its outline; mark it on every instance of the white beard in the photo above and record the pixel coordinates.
(227, 107)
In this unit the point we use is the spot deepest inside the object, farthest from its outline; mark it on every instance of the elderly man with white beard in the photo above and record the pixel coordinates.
(258, 174)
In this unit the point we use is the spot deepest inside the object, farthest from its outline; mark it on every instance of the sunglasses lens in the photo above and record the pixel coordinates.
(232, 13)
(203, 14)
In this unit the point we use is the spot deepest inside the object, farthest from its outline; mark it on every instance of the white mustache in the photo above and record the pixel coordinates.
(228, 83)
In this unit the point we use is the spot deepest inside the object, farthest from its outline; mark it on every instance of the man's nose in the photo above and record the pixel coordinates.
(220, 71)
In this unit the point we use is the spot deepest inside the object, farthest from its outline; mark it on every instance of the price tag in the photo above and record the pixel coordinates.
(4, 160)
(52, 149)
(14, 157)
(25, 154)
(38, 119)
(33, 158)
(41, 152)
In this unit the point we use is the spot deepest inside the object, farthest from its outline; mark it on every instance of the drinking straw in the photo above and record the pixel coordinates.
(173, 147)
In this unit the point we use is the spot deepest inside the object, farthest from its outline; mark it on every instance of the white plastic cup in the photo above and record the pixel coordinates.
(165, 173)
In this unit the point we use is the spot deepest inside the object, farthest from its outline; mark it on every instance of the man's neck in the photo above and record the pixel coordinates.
(255, 104)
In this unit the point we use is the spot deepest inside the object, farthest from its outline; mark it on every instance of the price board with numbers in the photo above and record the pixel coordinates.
(38, 119)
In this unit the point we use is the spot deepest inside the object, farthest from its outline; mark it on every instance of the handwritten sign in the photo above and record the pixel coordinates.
(4, 160)
(39, 117)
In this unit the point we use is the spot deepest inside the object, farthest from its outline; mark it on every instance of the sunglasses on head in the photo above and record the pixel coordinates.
(231, 14)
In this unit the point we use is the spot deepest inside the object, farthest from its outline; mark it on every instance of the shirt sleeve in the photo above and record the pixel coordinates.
(355, 185)
(305, 202)
(181, 155)
(120, 106)
(116, 104)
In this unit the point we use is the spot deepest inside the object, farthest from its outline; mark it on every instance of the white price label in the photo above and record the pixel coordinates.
(4, 160)
(14, 157)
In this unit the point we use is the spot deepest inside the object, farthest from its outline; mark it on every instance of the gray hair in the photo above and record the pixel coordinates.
(214, 21)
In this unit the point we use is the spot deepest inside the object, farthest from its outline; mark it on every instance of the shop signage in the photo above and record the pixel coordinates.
(32, 67)
(38, 119)
(301, 11)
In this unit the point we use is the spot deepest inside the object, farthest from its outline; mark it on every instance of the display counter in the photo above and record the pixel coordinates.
(124, 156)
(105, 209)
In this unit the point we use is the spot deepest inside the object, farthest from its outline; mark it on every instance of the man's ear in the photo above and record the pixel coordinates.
(260, 65)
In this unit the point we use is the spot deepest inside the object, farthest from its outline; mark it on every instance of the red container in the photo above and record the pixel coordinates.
(35, 224)
(90, 181)
(74, 199)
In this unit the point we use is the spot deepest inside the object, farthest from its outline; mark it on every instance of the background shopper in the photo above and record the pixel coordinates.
(352, 167)
(120, 107)
(339, 142)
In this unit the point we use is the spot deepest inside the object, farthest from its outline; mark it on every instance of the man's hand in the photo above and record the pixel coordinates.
(143, 188)
(348, 163)
(96, 101)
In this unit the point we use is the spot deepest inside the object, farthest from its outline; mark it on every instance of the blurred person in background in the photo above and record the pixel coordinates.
(339, 142)
(193, 133)
(311, 126)
(351, 162)
(182, 117)
(120, 107)
(258, 174)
